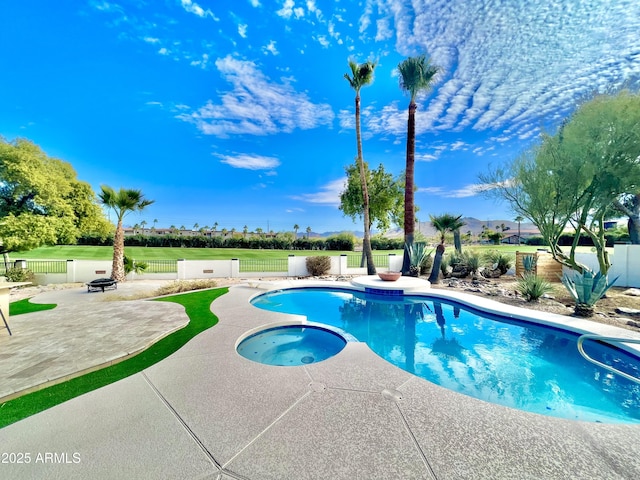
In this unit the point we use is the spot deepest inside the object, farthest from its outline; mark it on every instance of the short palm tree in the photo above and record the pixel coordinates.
(361, 75)
(416, 75)
(121, 202)
(443, 223)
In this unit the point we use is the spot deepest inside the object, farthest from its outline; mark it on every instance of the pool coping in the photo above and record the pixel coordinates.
(206, 412)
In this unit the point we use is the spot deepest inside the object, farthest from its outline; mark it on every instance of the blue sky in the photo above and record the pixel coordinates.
(237, 112)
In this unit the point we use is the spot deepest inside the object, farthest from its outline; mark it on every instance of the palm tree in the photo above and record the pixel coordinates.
(519, 219)
(362, 74)
(308, 232)
(143, 223)
(121, 202)
(443, 223)
(196, 226)
(245, 230)
(416, 75)
(456, 237)
(295, 229)
(215, 226)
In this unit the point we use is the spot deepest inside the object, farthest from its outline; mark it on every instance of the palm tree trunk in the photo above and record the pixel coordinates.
(456, 240)
(437, 261)
(409, 208)
(366, 241)
(117, 267)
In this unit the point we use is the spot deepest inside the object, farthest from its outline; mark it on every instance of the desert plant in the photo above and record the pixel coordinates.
(180, 286)
(532, 287)
(17, 274)
(418, 258)
(586, 289)
(130, 265)
(499, 261)
(319, 265)
(529, 263)
(472, 259)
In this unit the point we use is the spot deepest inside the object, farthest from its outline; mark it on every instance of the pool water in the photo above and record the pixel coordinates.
(291, 345)
(512, 363)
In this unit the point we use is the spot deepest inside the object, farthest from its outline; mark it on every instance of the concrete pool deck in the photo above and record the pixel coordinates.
(205, 412)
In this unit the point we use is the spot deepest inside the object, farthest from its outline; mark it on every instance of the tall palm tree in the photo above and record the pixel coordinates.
(308, 232)
(443, 223)
(361, 75)
(121, 202)
(416, 75)
(296, 227)
(245, 230)
(519, 219)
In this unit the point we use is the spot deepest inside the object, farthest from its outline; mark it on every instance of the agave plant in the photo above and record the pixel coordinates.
(417, 257)
(529, 263)
(586, 288)
(533, 287)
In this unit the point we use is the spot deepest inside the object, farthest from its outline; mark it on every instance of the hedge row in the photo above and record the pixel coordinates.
(341, 242)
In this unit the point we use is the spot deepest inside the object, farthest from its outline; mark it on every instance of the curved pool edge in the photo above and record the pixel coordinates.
(561, 322)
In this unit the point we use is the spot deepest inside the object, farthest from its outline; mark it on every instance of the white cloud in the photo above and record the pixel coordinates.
(256, 106)
(250, 162)
(520, 64)
(470, 190)
(254, 3)
(163, 51)
(242, 30)
(329, 194)
(151, 40)
(270, 48)
(196, 9)
(287, 9)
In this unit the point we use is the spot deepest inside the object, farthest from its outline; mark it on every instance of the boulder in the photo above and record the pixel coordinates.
(628, 311)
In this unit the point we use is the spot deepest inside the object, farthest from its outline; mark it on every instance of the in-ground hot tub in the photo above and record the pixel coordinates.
(291, 345)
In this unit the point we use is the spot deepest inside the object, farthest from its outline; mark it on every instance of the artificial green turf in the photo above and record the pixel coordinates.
(198, 308)
(25, 306)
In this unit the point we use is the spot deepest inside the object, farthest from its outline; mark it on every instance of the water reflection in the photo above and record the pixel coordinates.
(514, 364)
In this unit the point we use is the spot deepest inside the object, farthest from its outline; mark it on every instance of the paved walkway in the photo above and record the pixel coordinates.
(207, 413)
(86, 331)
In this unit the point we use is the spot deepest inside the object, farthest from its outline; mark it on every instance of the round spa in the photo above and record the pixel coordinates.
(291, 345)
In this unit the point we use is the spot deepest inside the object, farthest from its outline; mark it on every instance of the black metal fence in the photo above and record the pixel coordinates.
(160, 266)
(379, 260)
(39, 266)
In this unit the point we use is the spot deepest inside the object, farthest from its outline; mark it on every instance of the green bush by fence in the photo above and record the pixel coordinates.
(339, 242)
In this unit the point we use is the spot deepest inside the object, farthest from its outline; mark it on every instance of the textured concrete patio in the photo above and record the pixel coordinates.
(207, 413)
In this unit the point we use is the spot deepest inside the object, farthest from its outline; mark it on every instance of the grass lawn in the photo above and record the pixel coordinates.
(198, 308)
(25, 306)
(81, 252)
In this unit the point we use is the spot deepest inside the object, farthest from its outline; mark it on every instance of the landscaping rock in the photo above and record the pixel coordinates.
(634, 292)
(628, 311)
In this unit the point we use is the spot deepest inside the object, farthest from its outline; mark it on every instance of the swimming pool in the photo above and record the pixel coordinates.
(513, 363)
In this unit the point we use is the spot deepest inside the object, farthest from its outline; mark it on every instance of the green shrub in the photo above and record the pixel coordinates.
(472, 260)
(130, 265)
(532, 287)
(499, 261)
(317, 266)
(15, 274)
